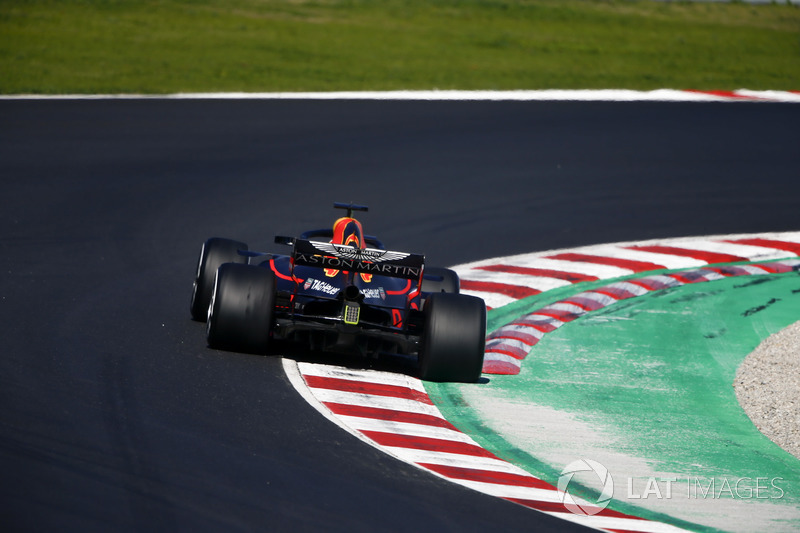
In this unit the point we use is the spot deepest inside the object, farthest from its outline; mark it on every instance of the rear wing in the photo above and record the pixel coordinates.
(352, 259)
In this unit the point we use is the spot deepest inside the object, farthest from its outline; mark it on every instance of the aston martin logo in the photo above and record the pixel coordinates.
(371, 255)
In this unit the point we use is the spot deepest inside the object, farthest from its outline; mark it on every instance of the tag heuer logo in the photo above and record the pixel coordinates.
(321, 286)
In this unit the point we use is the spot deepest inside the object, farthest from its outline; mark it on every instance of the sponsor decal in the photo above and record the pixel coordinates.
(371, 255)
(374, 293)
(321, 286)
(349, 264)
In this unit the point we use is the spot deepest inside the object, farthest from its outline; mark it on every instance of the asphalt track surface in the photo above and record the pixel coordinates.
(115, 416)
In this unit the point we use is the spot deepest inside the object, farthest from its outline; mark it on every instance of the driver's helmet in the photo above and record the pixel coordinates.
(348, 231)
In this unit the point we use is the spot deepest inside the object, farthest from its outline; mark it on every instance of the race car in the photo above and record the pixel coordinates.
(340, 291)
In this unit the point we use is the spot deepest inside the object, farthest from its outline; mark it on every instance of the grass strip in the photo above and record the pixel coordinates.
(166, 46)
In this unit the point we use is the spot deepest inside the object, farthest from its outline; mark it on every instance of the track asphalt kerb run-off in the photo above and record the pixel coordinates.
(607, 395)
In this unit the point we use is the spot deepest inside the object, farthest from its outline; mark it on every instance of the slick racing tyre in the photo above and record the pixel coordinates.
(214, 253)
(440, 280)
(453, 339)
(241, 309)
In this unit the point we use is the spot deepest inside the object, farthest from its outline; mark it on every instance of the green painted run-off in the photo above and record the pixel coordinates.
(645, 387)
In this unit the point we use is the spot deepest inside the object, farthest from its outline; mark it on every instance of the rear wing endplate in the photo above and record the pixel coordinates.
(352, 259)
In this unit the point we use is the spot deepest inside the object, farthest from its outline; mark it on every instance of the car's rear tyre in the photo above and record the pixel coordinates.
(454, 338)
(440, 280)
(241, 309)
(215, 252)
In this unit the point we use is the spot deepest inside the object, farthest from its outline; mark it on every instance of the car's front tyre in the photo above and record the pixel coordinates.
(215, 252)
(437, 279)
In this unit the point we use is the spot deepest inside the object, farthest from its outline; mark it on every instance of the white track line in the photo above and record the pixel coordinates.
(603, 95)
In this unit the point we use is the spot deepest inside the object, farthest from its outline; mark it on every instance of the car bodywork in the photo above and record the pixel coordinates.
(342, 298)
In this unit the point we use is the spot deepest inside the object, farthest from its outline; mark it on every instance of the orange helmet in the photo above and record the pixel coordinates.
(348, 231)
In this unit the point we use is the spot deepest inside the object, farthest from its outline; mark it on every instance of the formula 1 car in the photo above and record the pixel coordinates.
(344, 292)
